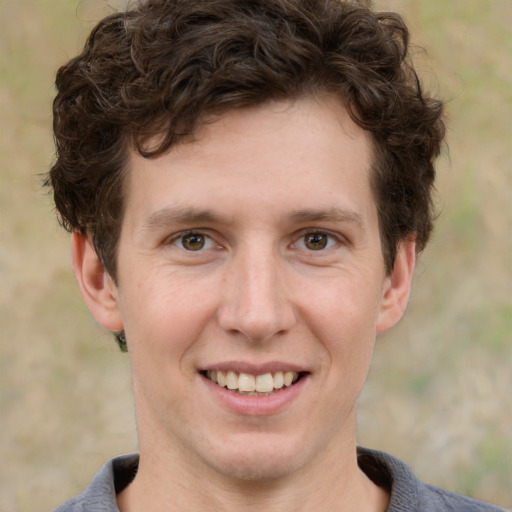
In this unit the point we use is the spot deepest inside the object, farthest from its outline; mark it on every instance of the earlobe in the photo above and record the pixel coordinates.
(96, 286)
(397, 287)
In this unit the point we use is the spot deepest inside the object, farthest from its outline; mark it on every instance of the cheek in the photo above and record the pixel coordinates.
(343, 318)
(167, 314)
(341, 306)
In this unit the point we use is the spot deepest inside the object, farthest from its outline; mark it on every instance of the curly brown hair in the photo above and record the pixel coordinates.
(163, 67)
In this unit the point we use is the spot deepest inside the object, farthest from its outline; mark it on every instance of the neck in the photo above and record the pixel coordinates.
(333, 481)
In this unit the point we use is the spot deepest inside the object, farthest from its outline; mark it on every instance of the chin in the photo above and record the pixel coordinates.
(259, 461)
(257, 471)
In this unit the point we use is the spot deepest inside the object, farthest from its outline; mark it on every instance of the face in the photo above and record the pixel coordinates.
(251, 286)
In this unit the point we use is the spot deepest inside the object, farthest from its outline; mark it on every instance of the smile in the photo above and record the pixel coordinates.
(253, 385)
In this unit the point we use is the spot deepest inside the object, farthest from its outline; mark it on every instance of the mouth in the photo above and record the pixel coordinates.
(253, 385)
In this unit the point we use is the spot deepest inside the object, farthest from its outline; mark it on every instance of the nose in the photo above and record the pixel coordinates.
(256, 301)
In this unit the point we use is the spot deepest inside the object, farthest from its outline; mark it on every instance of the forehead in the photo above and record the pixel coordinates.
(298, 154)
(316, 123)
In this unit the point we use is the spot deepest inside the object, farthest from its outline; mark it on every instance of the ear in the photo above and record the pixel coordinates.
(397, 286)
(97, 287)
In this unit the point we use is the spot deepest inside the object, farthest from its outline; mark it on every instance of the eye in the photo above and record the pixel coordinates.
(316, 241)
(194, 241)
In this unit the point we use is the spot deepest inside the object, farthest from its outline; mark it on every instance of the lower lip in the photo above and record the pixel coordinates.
(264, 405)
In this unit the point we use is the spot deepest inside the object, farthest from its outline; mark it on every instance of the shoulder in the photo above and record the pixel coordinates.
(410, 494)
(100, 494)
(441, 499)
(73, 505)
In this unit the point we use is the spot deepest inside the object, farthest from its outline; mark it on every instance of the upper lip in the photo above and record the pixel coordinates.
(255, 369)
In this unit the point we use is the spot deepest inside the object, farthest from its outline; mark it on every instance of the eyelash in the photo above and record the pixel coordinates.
(332, 239)
(179, 237)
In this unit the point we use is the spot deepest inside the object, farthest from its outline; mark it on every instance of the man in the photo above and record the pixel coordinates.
(247, 184)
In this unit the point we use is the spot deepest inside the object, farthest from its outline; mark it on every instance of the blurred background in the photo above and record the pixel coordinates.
(439, 393)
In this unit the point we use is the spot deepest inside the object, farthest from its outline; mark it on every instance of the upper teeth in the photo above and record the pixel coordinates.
(246, 382)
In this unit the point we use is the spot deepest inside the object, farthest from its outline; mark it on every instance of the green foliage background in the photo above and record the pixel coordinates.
(439, 394)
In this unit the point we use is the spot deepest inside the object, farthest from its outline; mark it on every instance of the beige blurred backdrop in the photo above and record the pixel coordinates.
(439, 394)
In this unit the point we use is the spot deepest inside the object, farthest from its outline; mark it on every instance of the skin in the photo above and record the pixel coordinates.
(253, 189)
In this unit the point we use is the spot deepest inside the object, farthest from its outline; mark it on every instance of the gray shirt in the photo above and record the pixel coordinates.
(408, 494)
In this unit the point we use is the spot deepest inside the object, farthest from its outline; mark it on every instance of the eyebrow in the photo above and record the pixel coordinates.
(330, 215)
(170, 216)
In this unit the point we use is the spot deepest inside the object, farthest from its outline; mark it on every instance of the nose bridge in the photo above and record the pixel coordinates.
(255, 300)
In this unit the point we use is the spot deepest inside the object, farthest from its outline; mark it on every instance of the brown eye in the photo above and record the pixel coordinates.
(316, 241)
(193, 242)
